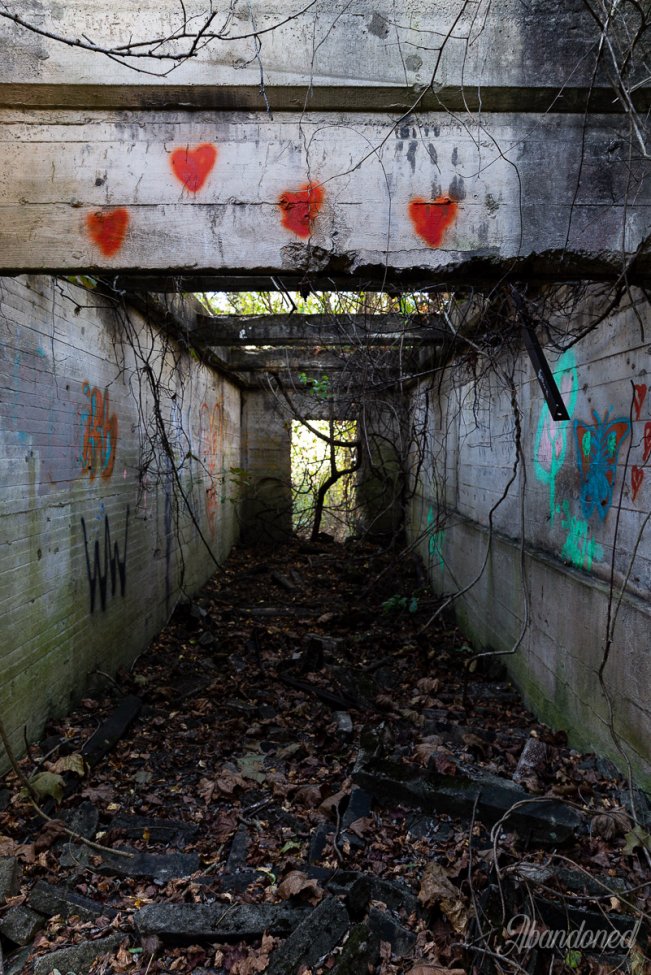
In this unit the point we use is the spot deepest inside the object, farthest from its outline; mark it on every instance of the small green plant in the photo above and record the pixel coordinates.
(573, 959)
(319, 387)
(400, 604)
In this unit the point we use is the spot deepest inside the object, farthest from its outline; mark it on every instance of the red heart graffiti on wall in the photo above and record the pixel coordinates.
(637, 476)
(647, 442)
(431, 218)
(301, 208)
(193, 166)
(639, 395)
(107, 229)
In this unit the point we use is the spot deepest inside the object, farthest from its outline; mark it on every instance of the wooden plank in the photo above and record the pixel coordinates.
(209, 194)
(308, 330)
(305, 43)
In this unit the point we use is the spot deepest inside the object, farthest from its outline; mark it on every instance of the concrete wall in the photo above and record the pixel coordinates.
(579, 504)
(96, 542)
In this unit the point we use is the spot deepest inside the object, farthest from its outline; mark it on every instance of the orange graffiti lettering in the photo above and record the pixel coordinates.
(100, 433)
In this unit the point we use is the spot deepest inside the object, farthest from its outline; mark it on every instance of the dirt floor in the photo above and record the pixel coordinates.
(300, 775)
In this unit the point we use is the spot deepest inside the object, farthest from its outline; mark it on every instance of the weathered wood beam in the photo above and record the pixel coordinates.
(209, 194)
(319, 329)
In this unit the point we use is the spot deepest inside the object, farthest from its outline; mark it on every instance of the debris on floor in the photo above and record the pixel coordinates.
(294, 779)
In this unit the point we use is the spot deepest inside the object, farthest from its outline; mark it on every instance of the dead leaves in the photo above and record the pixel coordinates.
(69, 763)
(46, 785)
(437, 890)
(298, 884)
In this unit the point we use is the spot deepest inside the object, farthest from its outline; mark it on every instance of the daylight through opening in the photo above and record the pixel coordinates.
(324, 459)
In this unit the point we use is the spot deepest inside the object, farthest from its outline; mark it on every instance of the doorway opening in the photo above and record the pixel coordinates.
(325, 460)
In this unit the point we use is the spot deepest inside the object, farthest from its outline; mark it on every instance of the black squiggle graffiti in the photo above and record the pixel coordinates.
(112, 562)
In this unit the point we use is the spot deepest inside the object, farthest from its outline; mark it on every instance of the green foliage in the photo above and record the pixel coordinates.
(319, 387)
(83, 281)
(400, 604)
(311, 467)
(573, 959)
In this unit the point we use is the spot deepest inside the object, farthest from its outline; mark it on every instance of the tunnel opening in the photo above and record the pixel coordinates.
(324, 459)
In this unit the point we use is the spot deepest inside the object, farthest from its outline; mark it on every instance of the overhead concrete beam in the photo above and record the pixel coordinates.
(356, 330)
(300, 54)
(299, 361)
(208, 194)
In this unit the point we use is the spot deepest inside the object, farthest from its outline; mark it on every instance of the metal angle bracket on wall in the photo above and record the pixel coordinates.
(544, 375)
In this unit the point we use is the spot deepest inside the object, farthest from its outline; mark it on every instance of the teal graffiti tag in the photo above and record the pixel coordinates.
(579, 549)
(435, 542)
(551, 435)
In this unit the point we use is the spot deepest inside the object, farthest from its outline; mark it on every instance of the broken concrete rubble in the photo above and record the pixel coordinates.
(217, 922)
(49, 900)
(20, 925)
(10, 874)
(77, 958)
(315, 937)
(537, 819)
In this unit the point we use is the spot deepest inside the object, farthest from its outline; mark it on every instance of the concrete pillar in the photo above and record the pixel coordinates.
(267, 495)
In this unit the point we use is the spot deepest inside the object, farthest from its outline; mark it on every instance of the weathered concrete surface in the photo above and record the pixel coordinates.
(582, 510)
(267, 497)
(77, 958)
(328, 44)
(214, 193)
(90, 540)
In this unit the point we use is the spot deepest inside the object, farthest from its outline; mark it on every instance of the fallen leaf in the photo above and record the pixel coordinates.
(296, 884)
(229, 781)
(7, 846)
(47, 785)
(70, 763)
(437, 890)
(426, 748)
(361, 826)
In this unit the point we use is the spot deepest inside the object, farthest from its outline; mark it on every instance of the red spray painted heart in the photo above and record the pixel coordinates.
(639, 395)
(193, 166)
(431, 218)
(107, 229)
(647, 442)
(637, 476)
(300, 209)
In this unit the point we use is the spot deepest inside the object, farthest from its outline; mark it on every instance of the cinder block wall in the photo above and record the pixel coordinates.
(96, 539)
(577, 507)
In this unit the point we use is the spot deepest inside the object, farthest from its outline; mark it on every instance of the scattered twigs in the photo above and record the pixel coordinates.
(33, 800)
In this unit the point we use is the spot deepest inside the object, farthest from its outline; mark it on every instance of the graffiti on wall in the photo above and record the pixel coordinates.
(299, 209)
(106, 563)
(435, 542)
(580, 550)
(551, 436)
(192, 166)
(597, 449)
(108, 229)
(639, 396)
(210, 438)
(99, 433)
(637, 476)
(432, 218)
